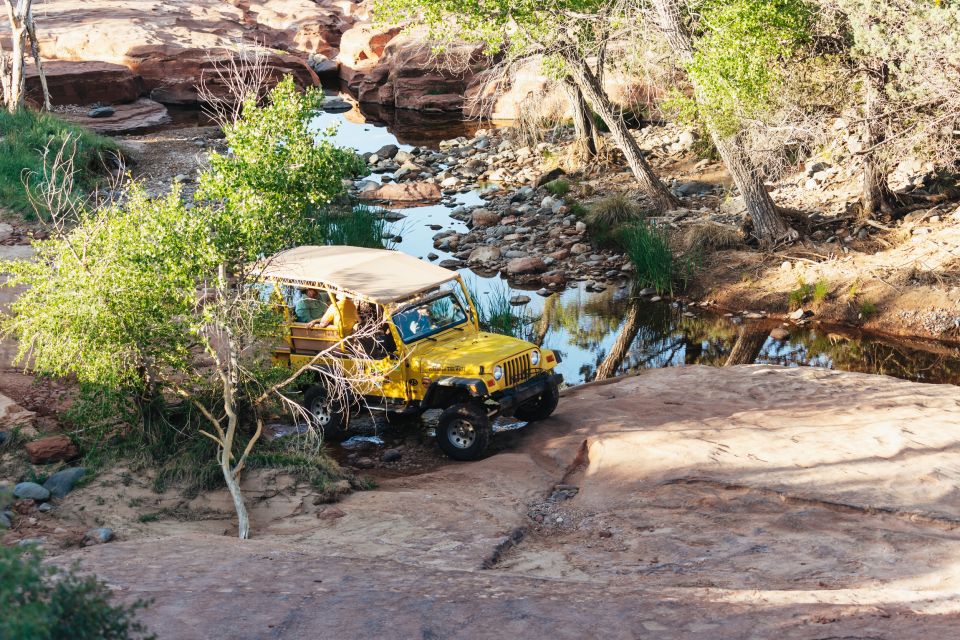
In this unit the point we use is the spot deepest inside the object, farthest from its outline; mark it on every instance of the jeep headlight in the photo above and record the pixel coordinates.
(535, 357)
(497, 373)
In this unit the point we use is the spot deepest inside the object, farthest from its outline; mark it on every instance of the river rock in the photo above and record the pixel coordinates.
(391, 455)
(101, 112)
(100, 535)
(549, 176)
(484, 255)
(387, 151)
(31, 491)
(51, 449)
(4, 521)
(779, 333)
(519, 300)
(484, 218)
(405, 192)
(523, 266)
(336, 105)
(61, 483)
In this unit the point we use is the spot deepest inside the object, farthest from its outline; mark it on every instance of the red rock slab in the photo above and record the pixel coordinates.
(127, 118)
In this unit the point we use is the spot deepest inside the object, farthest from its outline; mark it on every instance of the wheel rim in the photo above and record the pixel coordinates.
(461, 434)
(320, 413)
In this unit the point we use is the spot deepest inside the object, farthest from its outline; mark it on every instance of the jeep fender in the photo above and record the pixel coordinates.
(446, 392)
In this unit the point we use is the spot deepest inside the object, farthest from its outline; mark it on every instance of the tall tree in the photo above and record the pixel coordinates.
(731, 51)
(571, 35)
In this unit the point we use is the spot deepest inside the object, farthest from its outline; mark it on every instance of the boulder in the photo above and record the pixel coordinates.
(101, 112)
(406, 192)
(361, 47)
(484, 254)
(31, 491)
(13, 415)
(61, 483)
(51, 449)
(408, 76)
(484, 218)
(524, 266)
(387, 151)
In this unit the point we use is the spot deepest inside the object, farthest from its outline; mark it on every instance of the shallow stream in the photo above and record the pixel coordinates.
(611, 329)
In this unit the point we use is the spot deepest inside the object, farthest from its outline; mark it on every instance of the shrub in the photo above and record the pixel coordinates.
(654, 262)
(558, 187)
(867, 310)
(24, 135)
(45, 603)
(710, 235)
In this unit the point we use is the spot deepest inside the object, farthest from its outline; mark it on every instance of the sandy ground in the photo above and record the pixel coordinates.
(746, 502)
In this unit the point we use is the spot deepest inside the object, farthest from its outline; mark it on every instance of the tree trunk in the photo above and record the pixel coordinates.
(769, 225)
(581, 73)
(18, 42)
(747, 348)
(584, 127)
(621, 346)
(35, 52)
(877, 197)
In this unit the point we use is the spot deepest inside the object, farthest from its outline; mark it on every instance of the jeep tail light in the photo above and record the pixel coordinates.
(550, 358)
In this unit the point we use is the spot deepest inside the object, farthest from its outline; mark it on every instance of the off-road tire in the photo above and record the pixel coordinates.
(463, 431)
(330, 416)
(540, 407)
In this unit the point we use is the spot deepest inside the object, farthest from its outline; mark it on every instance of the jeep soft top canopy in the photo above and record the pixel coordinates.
(377, 275)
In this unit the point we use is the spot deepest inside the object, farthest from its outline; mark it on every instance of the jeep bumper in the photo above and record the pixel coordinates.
(509, 399)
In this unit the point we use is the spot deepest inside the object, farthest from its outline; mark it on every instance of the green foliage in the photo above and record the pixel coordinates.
(868, 309)
(277, 175)
(739, 51)
(654, 262)
(558, 187)
(44, 603)
(23, 136)
(112, 298)
(497, 315)
(816, 293)
(360, 226)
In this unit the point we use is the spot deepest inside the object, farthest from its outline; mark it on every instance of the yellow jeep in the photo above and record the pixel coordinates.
(428, 351)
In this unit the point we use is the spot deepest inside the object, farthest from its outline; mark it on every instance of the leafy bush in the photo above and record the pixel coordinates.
(45, 603)
(654, 262)
(558, 187)
(23, 136)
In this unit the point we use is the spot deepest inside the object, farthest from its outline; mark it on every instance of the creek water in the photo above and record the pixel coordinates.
(612, 329)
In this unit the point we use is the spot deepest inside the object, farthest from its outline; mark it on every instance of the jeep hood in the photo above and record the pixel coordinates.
(456, 352)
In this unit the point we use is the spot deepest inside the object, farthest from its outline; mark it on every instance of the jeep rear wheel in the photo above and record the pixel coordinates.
(463, 431)
(540, 407)
(330, 415)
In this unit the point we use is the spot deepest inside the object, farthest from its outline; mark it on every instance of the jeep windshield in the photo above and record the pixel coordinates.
(431, 316)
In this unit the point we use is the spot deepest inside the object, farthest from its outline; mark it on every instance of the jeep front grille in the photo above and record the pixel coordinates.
(516, 370)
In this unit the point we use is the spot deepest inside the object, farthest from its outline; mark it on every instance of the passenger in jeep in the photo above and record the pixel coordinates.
(343, 314)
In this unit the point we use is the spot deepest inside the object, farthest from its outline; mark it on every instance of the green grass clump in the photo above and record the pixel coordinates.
(23, 137)
(816, 293)
(867, 310)
(558, 187)
(654, 262)
(607, 215)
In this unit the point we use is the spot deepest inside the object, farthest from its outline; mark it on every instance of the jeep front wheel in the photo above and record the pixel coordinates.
(329, 414)
(540, 407)
(463, 431)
